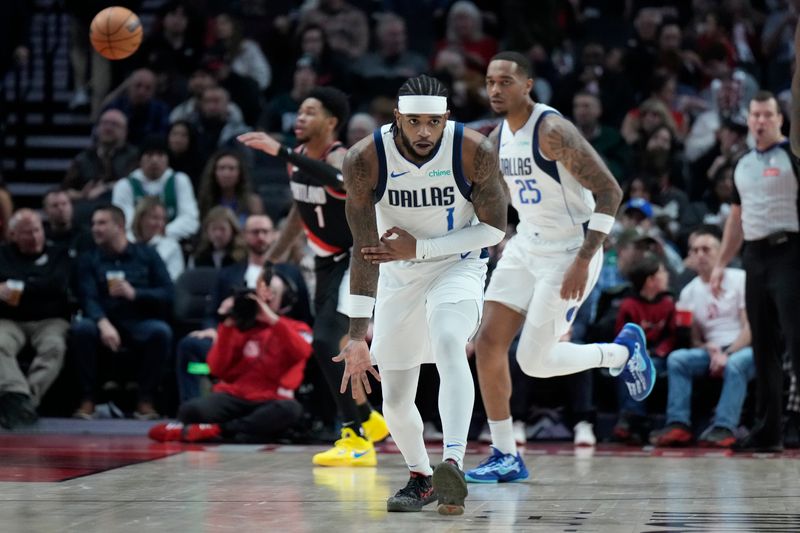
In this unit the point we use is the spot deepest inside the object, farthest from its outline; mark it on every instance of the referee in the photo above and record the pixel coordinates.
(764, 216)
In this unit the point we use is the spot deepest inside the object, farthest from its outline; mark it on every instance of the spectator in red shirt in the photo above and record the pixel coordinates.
(259, 367)
(653, 308)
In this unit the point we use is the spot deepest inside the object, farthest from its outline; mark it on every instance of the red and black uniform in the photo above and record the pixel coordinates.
(318, 191)
(259, 370)
(321, 208)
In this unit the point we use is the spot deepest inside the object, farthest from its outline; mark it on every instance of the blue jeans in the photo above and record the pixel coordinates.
(190, 350)
(627, 404)
(683, 365)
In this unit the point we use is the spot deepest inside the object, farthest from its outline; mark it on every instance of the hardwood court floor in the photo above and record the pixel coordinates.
(126, 483)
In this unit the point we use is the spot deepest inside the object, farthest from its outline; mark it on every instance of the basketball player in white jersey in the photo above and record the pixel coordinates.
(566, 199)
(424, 198)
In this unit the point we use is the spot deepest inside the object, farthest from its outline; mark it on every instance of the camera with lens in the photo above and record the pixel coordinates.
(245, 309)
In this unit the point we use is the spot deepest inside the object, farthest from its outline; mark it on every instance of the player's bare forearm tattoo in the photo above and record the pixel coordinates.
(489, 195)
(564, 143)
(360, 210)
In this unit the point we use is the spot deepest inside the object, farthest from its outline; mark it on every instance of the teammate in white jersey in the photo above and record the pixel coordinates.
(566, 199)
(424, 197)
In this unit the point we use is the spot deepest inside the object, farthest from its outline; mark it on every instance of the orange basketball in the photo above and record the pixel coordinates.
(116, 32)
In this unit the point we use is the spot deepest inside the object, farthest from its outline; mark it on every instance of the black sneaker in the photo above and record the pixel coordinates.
(417, 493)
(450, 488)
(791, 431)
(756, 442)
(17, 410)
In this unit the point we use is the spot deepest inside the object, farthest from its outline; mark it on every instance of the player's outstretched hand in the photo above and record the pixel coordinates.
(259, 140)
(575, 278)
(396, 245)
(357, 363)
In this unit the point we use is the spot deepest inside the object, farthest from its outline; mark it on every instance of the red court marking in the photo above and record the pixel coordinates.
(48, 458)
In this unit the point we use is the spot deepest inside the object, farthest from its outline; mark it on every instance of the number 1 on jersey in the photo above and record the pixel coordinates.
(450, 211)
(320, 218)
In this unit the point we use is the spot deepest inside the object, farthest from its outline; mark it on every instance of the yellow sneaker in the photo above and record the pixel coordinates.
(350, 450)
(375, 428)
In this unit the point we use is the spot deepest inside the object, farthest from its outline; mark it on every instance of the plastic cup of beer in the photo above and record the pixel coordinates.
(15, 288)
(113, 277)
(683, 318)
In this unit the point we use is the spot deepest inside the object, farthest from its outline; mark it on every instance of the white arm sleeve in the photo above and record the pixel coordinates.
(470, 238)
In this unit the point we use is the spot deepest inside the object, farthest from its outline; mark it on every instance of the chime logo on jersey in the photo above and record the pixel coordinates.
(516, 166)
(309, 194)
(431, 196)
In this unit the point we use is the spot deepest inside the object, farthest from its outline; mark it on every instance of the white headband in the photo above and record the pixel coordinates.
(422, 105)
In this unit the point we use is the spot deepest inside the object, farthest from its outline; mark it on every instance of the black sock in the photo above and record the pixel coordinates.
(364, 410)
(356, 427)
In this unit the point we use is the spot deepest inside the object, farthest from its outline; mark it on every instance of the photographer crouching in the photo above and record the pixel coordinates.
(259, 358)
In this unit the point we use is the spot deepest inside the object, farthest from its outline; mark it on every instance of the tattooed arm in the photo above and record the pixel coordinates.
(562, 142)
(489, 191)
(360, 178)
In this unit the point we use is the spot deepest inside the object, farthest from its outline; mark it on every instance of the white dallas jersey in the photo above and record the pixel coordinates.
(547, 197)
(428, 200)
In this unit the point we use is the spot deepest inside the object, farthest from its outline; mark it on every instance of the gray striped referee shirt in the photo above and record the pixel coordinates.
(766, 186)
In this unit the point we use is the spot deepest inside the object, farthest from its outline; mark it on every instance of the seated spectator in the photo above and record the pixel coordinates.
(244, 56)
(34, 308)
(346, 27)
(638, 127)
(221, 242)
(154, 177)
(586, 112)
(660, 164)
(215, 127)
(467, 87)
(720, 349)
(226, 182)
(94, 171)
(200, 80)
(731, 144)
(59, 229)
(183, 154)
(384, 70)
(464, 33)
(728, 102)
(124, 289)
(663, 87)
(332, 69)
(259, 235)
(653, 308)
(149, 223)
(281, 113)
(359, 126)
(259, 364)
(174, 50)
(135, 97)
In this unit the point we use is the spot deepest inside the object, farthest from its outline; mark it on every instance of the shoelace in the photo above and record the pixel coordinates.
(414, 488)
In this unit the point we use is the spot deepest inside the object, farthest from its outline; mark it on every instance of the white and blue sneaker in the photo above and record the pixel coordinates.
(639, 372)
(498, 468)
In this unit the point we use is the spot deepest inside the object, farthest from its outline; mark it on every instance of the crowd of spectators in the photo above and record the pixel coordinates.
(660, 89)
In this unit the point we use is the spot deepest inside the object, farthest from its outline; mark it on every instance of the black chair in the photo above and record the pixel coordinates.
(192, 297)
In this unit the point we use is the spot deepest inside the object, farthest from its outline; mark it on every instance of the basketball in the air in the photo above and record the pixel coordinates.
(116, 32)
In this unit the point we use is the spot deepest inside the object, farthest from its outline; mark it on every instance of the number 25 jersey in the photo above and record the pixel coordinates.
(543, 192)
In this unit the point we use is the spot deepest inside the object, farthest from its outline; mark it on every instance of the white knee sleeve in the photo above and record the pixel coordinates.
(451, 326)
(402, 416)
